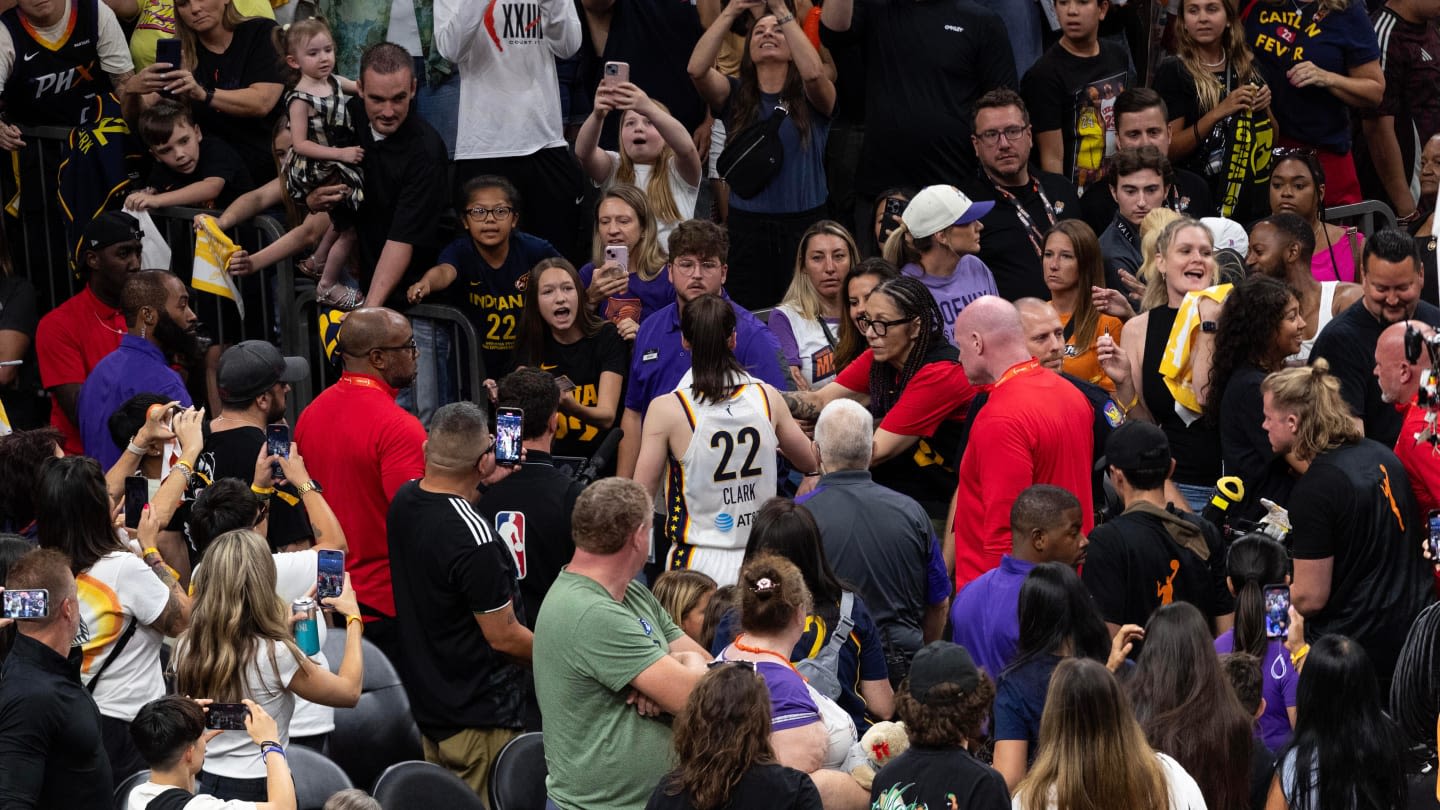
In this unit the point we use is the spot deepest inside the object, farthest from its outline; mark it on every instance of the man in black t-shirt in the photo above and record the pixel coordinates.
(926, 63)
(462, 628)
(1028, 201)
(1151, 555)
(531, 509)
(1142, 120)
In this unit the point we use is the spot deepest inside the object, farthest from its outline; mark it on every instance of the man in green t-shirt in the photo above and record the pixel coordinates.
(608, 660)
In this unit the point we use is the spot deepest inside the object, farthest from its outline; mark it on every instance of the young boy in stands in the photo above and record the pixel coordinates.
(170, 733)
(189, 169)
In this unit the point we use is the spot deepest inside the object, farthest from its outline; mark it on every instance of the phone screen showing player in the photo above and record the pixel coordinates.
(331, 577)
(277, 443)
(509, 423)
(31, 604)
(1277, 610)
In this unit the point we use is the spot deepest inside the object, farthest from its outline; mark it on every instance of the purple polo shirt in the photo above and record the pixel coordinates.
(653, 295)
(986, 614)
(659, 361)
(135, 367)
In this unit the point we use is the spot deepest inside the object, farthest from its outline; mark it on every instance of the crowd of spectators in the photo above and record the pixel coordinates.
(1013, 371)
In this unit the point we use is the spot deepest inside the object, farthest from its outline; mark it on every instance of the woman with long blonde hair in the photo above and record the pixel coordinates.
(1183, 264)
(807, 321)
(1093, 753)
(1221, 125)
(625, 293)
(240, 645)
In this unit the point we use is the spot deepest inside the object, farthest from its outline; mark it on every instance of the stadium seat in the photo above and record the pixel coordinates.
(316, 777)
(517, 780)
(122, 791)
(379, 731)
(420, 785)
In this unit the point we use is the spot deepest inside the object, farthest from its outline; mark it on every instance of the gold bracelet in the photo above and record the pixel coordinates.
(349, 619)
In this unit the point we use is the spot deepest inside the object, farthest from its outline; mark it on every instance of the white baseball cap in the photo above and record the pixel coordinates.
(936, 208)
(1227, 233)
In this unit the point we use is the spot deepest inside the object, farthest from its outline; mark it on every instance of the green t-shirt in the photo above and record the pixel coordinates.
(601, 753)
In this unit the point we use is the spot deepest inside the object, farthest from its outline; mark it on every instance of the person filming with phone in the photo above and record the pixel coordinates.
(172, 733)
(50, 730)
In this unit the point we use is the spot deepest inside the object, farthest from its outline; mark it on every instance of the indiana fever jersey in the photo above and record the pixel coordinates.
(60, 82)
(714, 491)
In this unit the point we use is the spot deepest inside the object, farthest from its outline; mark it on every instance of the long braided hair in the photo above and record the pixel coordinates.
(915, 302)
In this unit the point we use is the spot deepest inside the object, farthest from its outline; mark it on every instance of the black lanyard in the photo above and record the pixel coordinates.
(1127, 230)
(1031, 231)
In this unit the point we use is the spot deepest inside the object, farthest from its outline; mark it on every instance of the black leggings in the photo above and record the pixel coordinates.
(762, 254)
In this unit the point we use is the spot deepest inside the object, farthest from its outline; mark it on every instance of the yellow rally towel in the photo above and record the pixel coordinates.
(213, 250)
(4, 421)
(1177, 364)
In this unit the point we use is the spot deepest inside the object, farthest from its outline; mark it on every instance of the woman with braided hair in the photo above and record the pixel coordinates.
(911, 380)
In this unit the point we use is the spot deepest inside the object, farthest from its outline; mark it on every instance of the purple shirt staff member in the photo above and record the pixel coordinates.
(1044, 527)
(161, 325)
(697, 267)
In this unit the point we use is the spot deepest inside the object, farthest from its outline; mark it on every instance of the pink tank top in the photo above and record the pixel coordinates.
(1338, 262)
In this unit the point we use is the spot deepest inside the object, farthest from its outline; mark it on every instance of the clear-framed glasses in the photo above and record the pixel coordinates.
(691, 267)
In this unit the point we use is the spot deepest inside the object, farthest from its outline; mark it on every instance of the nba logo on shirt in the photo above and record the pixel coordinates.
(511, 528)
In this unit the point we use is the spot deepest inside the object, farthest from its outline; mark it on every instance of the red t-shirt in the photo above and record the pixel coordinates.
(1421, 464)
(361, 447)
(69, 342)
(1036, 428)
(938, 392)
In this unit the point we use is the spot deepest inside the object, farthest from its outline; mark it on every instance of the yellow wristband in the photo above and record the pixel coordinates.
(349, 619)
(152, 550)
(265, 491)
(1299, 655)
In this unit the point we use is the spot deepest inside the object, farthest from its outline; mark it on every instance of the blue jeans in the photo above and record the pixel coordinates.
(434, 381)
(1197, 495)
(439, 105)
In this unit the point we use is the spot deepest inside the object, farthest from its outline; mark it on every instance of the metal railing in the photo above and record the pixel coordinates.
(1368, 216)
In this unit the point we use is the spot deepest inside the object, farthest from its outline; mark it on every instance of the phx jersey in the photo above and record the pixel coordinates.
(715, 490)
(61, 82)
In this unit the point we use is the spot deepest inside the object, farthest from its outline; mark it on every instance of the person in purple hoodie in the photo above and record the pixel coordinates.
(1044, 527)
(937, 242)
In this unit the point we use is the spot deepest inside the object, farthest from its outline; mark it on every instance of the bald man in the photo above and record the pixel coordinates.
(1035, 428)
(363, 447)
(1400, 382)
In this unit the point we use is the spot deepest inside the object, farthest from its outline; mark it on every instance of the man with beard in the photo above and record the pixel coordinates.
(77, 335)
(254, 379)
(159, 325)
(1391, 290)
(363, 446)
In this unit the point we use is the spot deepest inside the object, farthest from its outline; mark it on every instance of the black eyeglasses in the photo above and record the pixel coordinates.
(880, 327)
(499, 212)
(990, 137)
(404, 347)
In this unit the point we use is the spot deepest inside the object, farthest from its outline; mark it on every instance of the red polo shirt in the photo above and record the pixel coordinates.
(1422, 465)
(361, 447)
(1036, 428)
(69, 342)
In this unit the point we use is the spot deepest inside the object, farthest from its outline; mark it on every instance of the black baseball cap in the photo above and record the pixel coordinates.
(109, 228)
(1136, 445)
(250, 368)
(942, 662)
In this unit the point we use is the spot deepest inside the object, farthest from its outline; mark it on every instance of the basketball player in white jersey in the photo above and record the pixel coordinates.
(715, 438)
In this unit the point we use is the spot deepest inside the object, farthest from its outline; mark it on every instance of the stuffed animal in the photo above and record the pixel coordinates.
(882, 743)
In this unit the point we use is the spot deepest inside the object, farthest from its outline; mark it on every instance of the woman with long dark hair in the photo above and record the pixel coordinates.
(128, 604)
(560, 333)
(787, 529)
(715, 438)
(1253, 562)
(807, 321)
(1187, 707)
(1093, 753)
(1297, 186)
(780, 68)
(723, 754)
(1058, 620)
(1074, 267)
(860, 281)
(1260, 326)
(1346, 753)
(1219, 106)
(911, 380)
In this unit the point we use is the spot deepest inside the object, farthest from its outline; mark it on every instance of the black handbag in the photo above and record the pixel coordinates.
(753, 156)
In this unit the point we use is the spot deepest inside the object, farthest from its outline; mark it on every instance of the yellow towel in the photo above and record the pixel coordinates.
(1177, 364)
(213, 250)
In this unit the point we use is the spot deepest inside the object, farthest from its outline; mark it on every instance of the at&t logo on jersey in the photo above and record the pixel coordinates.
(511, 528)
(724, 522)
